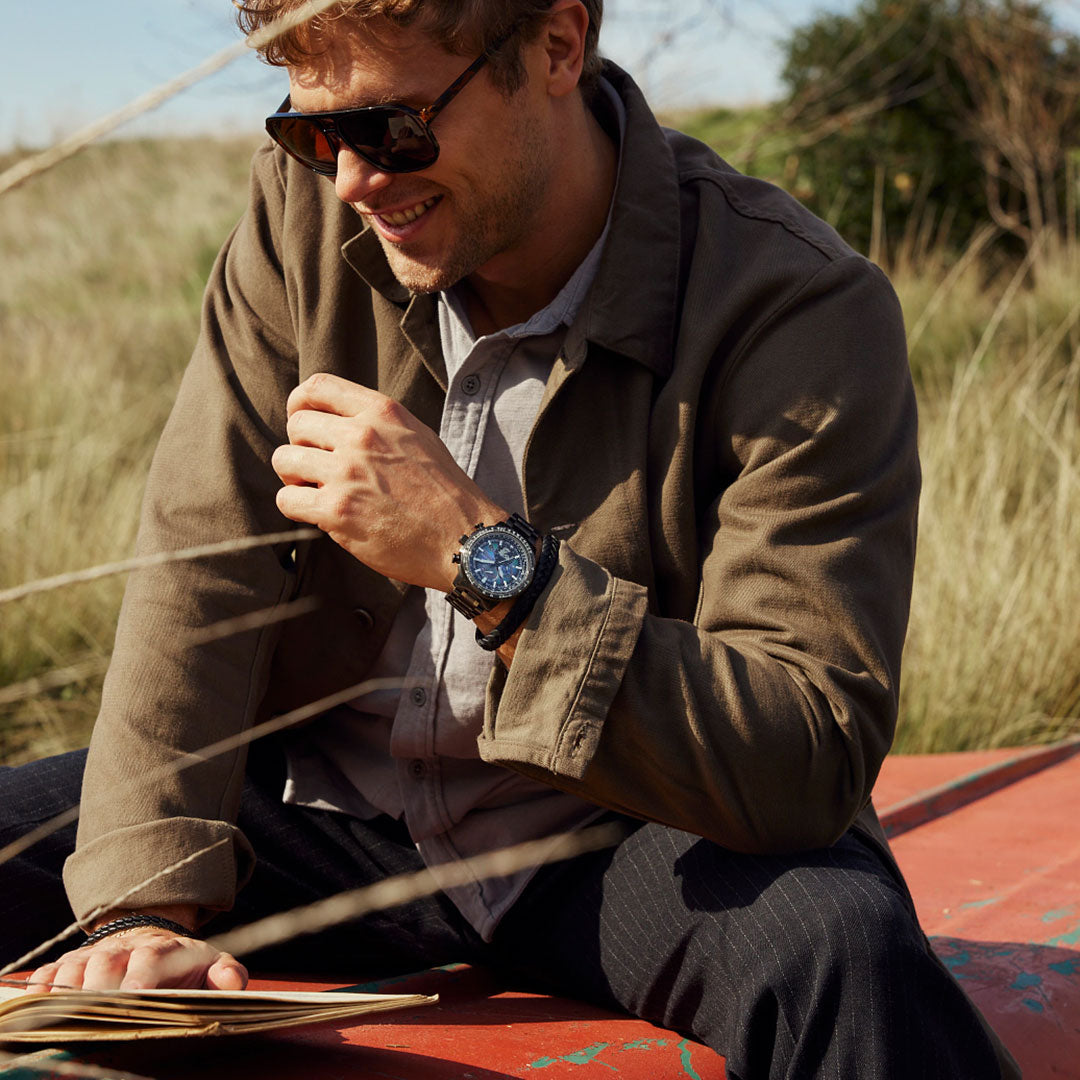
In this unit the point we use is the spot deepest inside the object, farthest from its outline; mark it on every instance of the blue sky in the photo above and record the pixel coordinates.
(68, 61)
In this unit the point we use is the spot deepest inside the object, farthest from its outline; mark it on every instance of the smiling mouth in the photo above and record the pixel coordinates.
(406, 217)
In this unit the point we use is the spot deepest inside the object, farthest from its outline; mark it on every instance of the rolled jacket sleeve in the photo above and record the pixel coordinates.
(759, 721)
(210, 481)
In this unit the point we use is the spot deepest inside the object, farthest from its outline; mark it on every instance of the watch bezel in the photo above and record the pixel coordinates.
(515, 538)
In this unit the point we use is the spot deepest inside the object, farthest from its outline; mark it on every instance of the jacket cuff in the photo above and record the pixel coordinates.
(549, 709)
(100, 872)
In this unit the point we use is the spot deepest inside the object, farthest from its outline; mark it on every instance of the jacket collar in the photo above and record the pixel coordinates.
(631, 306)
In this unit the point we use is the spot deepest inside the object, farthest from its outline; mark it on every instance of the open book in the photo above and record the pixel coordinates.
(91, 1015)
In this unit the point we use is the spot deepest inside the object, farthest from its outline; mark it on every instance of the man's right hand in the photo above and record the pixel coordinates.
(142, 959)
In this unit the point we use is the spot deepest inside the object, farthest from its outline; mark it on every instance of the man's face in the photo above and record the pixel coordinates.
(480, 204)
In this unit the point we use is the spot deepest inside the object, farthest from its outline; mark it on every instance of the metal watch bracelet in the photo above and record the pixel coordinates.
(545, 567)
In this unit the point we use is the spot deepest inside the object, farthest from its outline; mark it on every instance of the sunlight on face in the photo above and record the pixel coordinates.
(482, 197)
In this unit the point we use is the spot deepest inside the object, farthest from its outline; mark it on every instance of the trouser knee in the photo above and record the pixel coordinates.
(33, 905)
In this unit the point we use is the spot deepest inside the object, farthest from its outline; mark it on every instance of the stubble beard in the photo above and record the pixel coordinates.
(484, 226)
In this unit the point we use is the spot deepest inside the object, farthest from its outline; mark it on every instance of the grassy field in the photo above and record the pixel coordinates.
(102, 263)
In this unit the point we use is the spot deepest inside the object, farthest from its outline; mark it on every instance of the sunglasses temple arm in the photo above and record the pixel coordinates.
(459, 84)
(455, 88)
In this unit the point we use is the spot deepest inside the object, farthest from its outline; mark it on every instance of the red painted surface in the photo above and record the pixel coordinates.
(996, 881)
(905, 775)
(476, 1032)
(958, 791)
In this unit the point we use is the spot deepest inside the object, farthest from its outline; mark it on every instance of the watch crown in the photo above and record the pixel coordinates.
(463, 539)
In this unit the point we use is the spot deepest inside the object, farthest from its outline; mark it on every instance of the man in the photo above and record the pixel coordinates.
(696, 399)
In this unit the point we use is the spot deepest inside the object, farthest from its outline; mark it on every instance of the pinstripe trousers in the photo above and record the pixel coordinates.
(802, 966)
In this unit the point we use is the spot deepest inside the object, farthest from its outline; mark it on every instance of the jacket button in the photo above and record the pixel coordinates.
(364, 617)
(418, 768)
(418, 695)
(470, 384)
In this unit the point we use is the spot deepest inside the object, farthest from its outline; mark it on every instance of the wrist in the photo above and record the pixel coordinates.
(144, 923)
(185, 915)
(486, 621)
(486, 513)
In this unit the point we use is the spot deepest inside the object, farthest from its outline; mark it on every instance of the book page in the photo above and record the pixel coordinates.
(77, 1015)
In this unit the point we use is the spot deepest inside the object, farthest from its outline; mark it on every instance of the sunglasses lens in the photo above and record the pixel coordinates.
(386, 137)
(306, 141)
(389, 138)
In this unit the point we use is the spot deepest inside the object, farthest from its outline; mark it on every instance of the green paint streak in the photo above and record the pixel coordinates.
(1072, 938)
(1025, 980)
(40, 1066)
(959, 960)
(980, 903)
(1066, 967)
(645, 1044)
(583, 1057)
(1033, 1005)
(1058, 913)
(578, 1057)
(684, 1059)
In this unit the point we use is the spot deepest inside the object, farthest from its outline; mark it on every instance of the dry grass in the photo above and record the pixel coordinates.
(102, 263)
(101, 266)
(993, 651)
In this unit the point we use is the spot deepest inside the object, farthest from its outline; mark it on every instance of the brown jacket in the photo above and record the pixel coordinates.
(726, 447)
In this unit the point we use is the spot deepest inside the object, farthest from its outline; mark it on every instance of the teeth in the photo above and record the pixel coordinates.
(406, 217)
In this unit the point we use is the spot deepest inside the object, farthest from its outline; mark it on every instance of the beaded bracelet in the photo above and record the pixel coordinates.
(129, 922)
(545, 567)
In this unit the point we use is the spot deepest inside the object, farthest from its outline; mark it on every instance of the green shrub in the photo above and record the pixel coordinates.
(915, 121)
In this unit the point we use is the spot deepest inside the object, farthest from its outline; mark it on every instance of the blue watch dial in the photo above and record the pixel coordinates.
(499, 563)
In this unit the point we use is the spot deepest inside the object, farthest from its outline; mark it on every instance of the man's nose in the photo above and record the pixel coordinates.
(356, 179)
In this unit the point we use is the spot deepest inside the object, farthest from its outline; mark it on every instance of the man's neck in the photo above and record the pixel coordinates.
(510, 291)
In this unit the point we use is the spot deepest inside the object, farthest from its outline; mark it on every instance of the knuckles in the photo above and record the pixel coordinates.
(339, 509)
(317, 385)
(390, 411)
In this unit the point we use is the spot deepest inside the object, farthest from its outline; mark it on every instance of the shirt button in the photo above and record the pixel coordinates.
(418, 695)
(418, 768)
(470, 384)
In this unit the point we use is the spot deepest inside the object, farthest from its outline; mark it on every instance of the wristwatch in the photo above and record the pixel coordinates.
(496, 562)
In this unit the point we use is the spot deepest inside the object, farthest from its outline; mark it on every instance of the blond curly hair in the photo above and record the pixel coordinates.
(460, 26)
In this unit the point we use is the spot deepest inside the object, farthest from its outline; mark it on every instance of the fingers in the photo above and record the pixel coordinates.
(227, 973)
(327, 431)
(332, 394)
(302, 465)
(70, 969)
(44, 977)
(141, 961)
(106, 967)
(300, 504)
(156, 962)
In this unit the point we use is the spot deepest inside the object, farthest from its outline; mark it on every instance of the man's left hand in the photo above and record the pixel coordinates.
(380, 483)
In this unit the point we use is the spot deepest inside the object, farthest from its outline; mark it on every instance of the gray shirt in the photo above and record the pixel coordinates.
(413, 752)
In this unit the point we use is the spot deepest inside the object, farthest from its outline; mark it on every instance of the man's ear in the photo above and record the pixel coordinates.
(563, 39)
